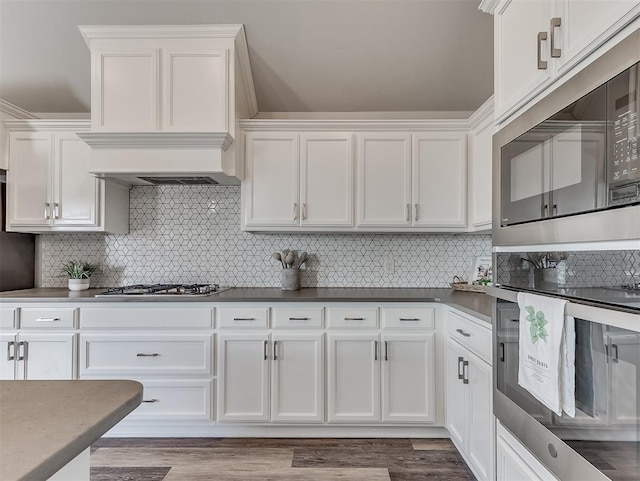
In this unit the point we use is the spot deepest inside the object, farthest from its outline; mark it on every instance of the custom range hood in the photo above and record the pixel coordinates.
(166, 101)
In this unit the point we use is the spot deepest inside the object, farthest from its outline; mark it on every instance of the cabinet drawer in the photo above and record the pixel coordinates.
(352, 317)
(174, 399)
(163, 355)
(310, 317)
(47, 318)
(145, 317)
(243, 317)
(8, 318)
(508, 318)
(408, 317)
(471, 335)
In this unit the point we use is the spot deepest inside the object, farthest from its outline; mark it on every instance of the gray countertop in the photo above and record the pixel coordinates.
(42, 429)
(476, 304)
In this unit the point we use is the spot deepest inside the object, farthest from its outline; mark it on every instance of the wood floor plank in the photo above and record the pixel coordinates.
(429, 474)
(319, 442)
(200, 473)
(128, 474)
(215, 458)
(157, 442)
(434, 444)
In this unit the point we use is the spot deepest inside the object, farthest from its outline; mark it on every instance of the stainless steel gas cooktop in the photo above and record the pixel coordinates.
(163, 290)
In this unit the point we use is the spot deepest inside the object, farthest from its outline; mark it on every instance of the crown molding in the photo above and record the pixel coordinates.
(48, 124)
(94, 32)
(355, 125)
(484, 112)
(15, 111)
(489, 6)
(157, 140)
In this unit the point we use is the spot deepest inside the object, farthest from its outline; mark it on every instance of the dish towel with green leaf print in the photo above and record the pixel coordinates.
(547, 344)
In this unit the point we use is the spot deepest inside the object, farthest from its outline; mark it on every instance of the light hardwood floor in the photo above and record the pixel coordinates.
(200, 459)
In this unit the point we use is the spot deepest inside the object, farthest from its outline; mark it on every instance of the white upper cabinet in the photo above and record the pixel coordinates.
(326, 179)
(440, 179)
(384, 179)
(481, 168)
(521, 51)
(270, 190)
(50, 188)
(538, 42)
(298, 180)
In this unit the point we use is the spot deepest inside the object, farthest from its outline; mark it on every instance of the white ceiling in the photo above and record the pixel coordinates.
(306, 55)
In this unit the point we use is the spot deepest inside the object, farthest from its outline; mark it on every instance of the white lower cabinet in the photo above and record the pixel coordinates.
(175, 399)
(469, 408)
(408, 378)
(271, 378)
(31, 356)
(515, 463)
(389, 378)
(353, 376)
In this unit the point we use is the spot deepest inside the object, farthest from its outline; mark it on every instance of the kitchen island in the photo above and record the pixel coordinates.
(47, 427)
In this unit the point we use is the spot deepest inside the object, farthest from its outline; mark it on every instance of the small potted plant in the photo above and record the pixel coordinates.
(79, 273)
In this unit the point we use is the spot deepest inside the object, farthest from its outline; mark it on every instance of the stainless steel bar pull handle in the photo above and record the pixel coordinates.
(555, 23)
(502, 352)
(386, 351)
(56, 211)
(354, 318)
(465, 371)
(264, 350)
(151, 400)
(614, 347)
(275, 350)
(460, 372)
(542, 64)
(23, 350)
(408, 211)
(304, 211)
(11, 353)
(147, 354)
(47, 319)
(417, 211)
(299, 318)
(46, 210)
(409, 319)
(295, 211)
(462, 333)
(244, 318)
(375, 350)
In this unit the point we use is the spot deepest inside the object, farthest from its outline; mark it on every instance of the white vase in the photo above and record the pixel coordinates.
(78, 284)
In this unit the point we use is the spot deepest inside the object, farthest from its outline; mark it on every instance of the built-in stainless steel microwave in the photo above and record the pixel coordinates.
(568, 169)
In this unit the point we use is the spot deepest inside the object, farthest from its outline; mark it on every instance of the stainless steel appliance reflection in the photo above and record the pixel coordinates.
(163, 290)
(602, 442)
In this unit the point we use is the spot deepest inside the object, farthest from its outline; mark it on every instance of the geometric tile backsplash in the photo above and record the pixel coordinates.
(192, 234)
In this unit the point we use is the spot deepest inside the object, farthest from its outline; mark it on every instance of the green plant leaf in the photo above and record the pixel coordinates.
(530, 310)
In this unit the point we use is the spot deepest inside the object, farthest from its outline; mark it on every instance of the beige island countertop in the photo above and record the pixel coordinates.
(46, 424)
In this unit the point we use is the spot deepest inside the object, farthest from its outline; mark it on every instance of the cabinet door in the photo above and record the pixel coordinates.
(481, 422)
(7, 357)
(195, 86)
(480, 175)
(456, 393)
(517, 76)
(124, 90)
(624, 365)
(297, 383)
(29, 179)
(408, 378)
(47, 356)
(75, 191)
(587, 23)
(384, 179)
(354, 378)
(270, 190)
(440, 179)
(243, 384)
(326, 179)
